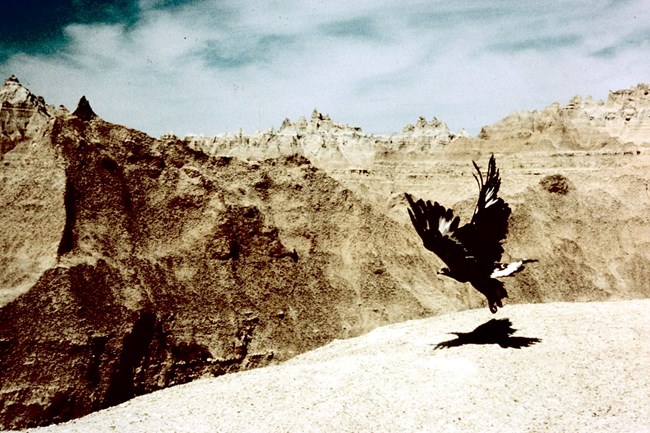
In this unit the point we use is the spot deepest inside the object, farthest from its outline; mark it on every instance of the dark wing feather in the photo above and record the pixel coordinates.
(489, 225)
(437, 225)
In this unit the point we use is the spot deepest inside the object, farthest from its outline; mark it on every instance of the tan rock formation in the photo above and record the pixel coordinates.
(131, 264)
(160, 264)
(331, 146)
(622, 123)
(22, 114)
(323, 142)
(580, 124)
(32, 181)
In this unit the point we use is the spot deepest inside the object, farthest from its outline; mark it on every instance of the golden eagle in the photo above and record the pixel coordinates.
(472, 252)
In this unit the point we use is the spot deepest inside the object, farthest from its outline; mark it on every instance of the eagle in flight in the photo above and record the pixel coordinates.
(472, 252)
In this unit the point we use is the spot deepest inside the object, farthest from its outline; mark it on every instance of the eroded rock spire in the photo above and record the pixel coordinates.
(84, 111)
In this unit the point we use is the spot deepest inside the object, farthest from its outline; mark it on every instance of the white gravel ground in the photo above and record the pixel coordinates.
(589, 373)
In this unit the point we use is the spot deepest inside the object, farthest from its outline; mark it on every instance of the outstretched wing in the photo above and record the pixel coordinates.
(489, 224)
(436, 226)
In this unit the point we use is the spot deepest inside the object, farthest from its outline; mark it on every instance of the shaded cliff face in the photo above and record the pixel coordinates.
(166, 264)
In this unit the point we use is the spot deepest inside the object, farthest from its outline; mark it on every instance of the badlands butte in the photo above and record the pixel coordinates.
(132, 263)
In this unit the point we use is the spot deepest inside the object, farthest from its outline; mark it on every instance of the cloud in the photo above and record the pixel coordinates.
(208, 67)
(246, 50)
(548, 43)
(358, 28)
(633, 41)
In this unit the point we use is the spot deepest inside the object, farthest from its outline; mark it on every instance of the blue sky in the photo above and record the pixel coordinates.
(206, 66)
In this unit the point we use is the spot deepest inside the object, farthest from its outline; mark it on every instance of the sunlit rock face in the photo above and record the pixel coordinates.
(329, 145)
(580, 124)
(22, 114)
(623, 121)
(32, 181)
(628, 114)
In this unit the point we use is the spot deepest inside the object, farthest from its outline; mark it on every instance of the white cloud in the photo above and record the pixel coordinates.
(212, 67)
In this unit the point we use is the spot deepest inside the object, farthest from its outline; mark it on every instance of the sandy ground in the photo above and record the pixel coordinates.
(568, 367)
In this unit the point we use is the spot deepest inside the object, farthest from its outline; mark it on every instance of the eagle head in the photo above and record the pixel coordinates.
(444, 271)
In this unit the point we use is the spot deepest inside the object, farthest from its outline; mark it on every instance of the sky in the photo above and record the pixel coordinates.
(214, 66)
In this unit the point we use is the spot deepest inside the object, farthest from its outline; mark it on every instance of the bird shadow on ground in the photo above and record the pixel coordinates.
(494, 331)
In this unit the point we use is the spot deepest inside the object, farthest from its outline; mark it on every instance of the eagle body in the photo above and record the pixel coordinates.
(472, 252)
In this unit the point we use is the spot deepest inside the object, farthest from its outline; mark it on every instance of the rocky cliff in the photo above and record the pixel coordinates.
(620, 123)
(132, 263)
(32, 180)
(22, 114)
(329, 145)
(580, 124)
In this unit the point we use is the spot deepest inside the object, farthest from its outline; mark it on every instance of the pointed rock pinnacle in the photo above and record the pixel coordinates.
(84, 111)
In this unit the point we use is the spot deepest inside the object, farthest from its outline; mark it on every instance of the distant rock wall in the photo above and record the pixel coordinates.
(592, 239)
(580, 124)
(328, 145)
(624, 119)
